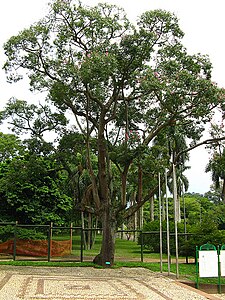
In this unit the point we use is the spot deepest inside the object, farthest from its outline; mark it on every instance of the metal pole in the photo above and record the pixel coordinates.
(50, 241)
(167, 226)
(175, 218)
(81, 244)
(160, 224)
(15, 240)
(197, 268)
(71, 237)
(219, 270)
(185, 222)
(142, 247)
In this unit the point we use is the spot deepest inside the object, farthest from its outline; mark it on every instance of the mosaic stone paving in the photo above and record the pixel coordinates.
(61, 287)
(89, 284)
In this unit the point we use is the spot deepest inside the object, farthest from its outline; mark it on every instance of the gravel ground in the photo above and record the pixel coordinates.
(78, 283)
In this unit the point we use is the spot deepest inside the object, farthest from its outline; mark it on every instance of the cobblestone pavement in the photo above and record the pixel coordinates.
(38, 283)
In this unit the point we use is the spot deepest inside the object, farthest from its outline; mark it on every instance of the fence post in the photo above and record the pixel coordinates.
(50, 241)
(71, 237)
(142, 242)
(219, 270)
(81, 244)
(14, 241)
(197, 269)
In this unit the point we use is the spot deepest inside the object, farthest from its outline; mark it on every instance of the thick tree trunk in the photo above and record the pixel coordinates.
(106, 256)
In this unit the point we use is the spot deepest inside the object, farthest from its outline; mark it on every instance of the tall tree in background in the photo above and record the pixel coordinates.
(115, 77)
(216, 163)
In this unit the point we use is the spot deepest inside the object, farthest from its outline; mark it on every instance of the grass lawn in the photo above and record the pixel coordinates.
(126, 249)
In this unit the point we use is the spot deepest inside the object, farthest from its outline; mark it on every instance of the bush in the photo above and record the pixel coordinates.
(197, 235)
(151, 240)
(7, 232)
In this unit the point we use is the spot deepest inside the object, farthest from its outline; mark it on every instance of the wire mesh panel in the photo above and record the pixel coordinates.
(66, 244)
(31, 242)
(128, 246)
(92, 240)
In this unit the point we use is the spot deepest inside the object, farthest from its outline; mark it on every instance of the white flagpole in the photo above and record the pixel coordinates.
(167, 226)
(160, 224)
(175, 218)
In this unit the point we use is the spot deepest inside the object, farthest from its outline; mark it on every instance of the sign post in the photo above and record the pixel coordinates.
(208, 263)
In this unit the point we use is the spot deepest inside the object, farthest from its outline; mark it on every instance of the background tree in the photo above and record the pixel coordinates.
(216, 163)
(31, 188)
(95, 63)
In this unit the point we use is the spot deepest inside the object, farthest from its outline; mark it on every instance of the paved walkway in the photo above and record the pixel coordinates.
(38, 283)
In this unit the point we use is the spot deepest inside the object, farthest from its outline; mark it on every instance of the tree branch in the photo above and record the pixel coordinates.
(205, 142)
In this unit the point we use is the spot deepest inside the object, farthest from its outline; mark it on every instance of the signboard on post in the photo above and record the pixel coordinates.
(208, 263)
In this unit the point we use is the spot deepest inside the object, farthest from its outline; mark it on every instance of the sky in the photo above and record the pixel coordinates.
(202, 22)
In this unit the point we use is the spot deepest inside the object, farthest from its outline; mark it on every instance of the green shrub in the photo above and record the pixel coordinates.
(7, 232)
(197, 235)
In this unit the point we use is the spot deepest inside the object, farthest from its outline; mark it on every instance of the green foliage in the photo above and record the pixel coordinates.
(30, 189)
(10, 146)
(196, 207)
(203, 220)
(8, 232)
(216, 163)
(151, 239)
(197, 235)
(37, 119)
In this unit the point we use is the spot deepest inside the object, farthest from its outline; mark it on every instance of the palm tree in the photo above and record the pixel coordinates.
(216, 164)
(175, 143)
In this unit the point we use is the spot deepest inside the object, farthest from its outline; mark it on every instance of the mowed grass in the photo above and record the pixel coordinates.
(124, 249)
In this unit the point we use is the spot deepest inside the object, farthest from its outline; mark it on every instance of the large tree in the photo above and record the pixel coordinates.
(117, 79)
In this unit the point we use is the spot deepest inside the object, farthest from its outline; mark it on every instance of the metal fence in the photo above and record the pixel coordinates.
(57, 243)
(47, 243)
